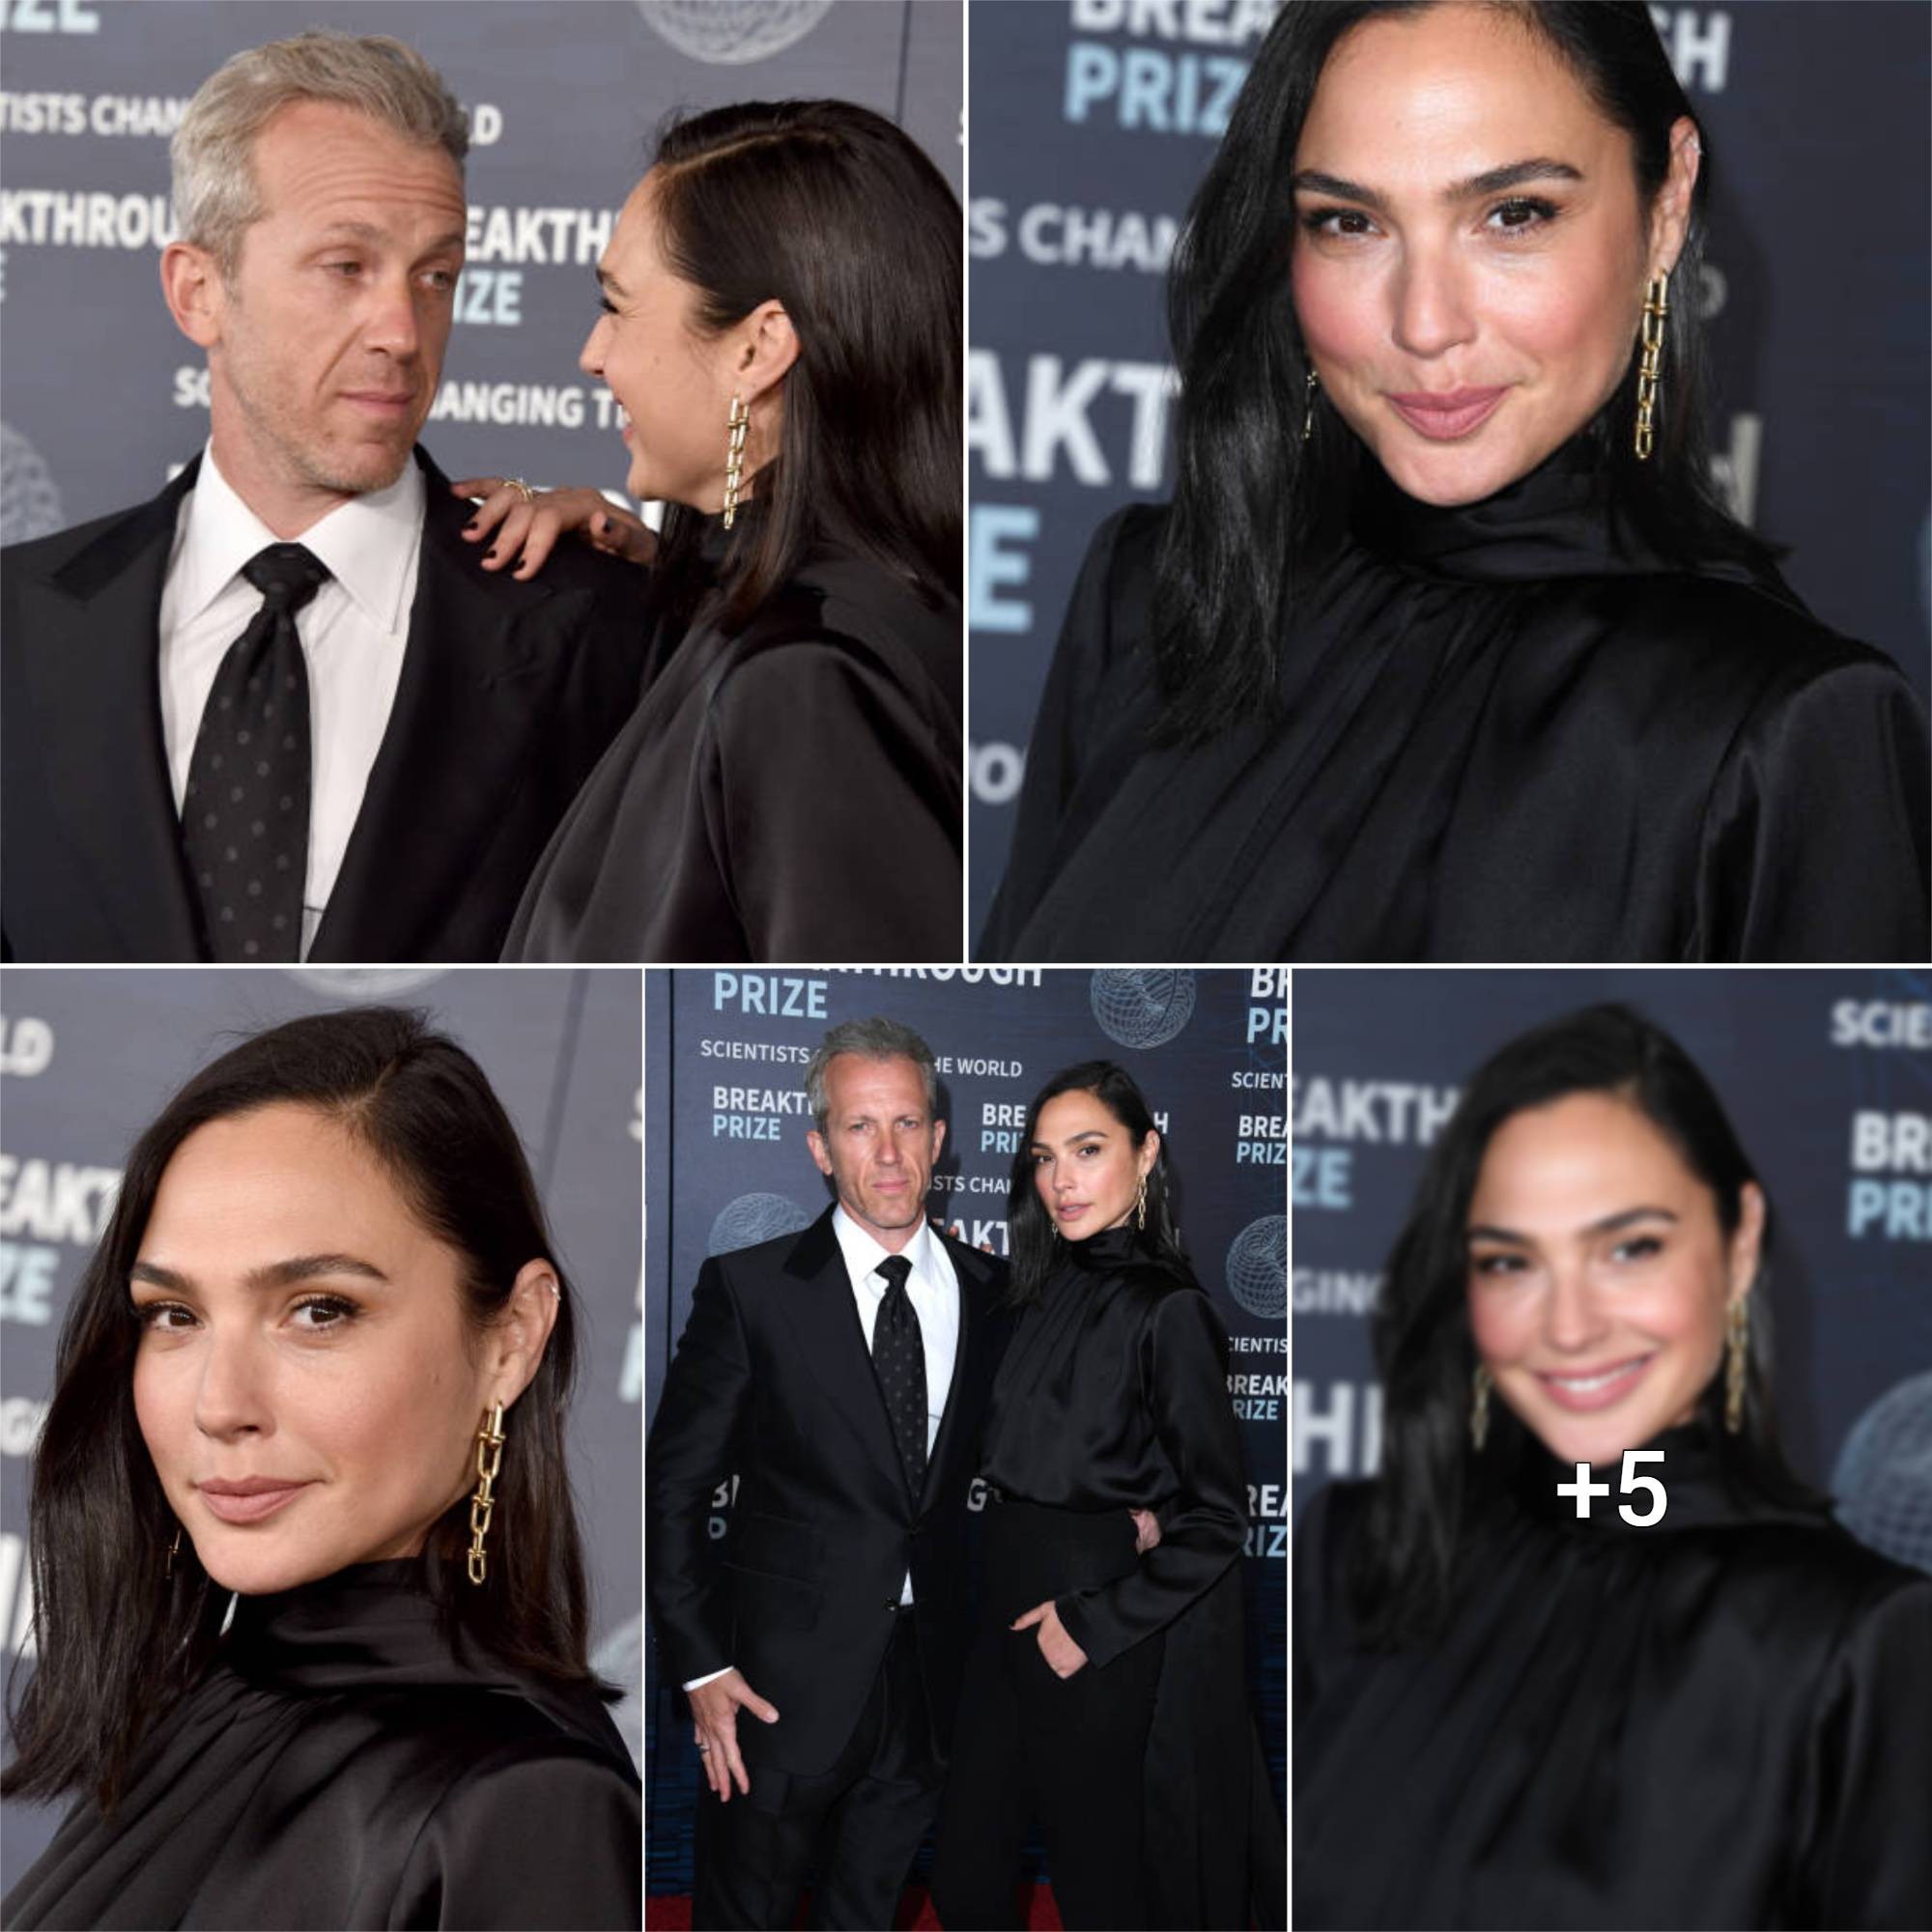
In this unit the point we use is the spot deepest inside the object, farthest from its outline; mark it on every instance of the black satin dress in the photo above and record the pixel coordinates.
(338, 1766)
(1113, 1396)
(786, 790)
(1511, 731)
(1723, 1721)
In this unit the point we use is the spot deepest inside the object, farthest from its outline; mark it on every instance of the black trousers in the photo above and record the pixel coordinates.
(1027, 1744)
(857, 1825)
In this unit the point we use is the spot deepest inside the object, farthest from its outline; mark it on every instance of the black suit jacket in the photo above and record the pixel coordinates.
(772, 1380)
(508, 694)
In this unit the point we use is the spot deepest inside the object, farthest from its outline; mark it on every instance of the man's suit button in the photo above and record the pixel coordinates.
(894, 1604)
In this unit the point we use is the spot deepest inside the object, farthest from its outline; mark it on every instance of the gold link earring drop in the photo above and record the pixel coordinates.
(1736, 1348)
(1656, 307)
(1479, 1408)
(1313, 383)
(1140, 1207)
(735, 425)
(488, 1459)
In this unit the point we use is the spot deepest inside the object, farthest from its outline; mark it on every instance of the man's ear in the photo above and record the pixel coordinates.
(194, 292)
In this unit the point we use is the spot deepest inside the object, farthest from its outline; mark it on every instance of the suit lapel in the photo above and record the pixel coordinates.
(94, 659)
(975, 1326)
(468, 704)
(832, 1344)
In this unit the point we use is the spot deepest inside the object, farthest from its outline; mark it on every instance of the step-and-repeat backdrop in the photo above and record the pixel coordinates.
(88, 1059)
(104, 400)
(1093, 122)
(1827, 1076)
(726, 1165)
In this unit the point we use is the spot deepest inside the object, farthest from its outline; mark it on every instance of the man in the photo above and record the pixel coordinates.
(842, 1374)
(279, 712)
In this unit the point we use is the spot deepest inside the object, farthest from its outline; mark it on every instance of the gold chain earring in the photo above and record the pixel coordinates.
(1479, 1408)
(1656, 307)
(488, 1459)
(174, 1550)
(735, 425)
(1737, 1349)
(1140, 1207)
(1308, 420)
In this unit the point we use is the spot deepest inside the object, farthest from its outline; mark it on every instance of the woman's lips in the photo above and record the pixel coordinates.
(1584, 1393)
(1070, 1211)
(250, 1501)
(1445, 416)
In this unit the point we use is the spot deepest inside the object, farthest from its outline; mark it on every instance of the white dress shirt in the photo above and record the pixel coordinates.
(933, 1289)
(354, 634)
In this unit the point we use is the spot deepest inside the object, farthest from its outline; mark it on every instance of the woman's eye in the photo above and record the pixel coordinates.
(163, 1315)
(325, 1311)
(1496, 1265)
(1638, 1248)
(1513, 217)
(1343, 221)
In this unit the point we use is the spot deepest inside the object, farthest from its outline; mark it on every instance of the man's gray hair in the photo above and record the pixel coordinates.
(217, 195)
(874, 1038)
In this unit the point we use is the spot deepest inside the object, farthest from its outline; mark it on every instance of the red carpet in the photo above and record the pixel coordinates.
(673, 1915)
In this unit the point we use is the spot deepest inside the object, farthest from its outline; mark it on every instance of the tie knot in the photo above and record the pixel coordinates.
(286, 575)
(896, 1269)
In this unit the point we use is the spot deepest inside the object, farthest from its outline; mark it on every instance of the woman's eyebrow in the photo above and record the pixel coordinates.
(1492, 180)
(272, 1274)
(1611, 1224)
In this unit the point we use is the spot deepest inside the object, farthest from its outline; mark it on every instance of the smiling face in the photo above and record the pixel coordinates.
(672, 381)
(325, 345)
(1086, 1165)
(1600, 1275)
(878, 1145)
(1471, 252)
(304, 1381)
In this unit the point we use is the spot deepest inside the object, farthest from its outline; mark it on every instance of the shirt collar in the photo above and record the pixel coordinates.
(862, 1254)
(367, 543)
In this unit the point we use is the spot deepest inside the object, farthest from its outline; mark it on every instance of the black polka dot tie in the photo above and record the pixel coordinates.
(244, 815)
(898, 1360)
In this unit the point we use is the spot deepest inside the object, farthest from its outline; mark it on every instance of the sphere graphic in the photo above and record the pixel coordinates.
(753, 1218)
(1257, 1268)
(30, 506)
(730, 33)
(1143, 1006)
(1884, 1479)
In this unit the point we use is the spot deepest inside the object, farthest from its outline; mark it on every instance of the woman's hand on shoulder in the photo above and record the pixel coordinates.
(511, 525)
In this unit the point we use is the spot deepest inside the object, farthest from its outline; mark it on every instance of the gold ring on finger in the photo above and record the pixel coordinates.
(522, 488)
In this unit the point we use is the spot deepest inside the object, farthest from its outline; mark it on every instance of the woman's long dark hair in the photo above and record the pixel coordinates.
(1253, 501)
(1032, 1243)
(828, 209)
(118, 1639)
(1398, 1569)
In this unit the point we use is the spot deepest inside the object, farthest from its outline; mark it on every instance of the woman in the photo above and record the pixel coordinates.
(1511, 1714)
(311, 1636)
(782, 327)
(1106, 1692)
(1445, 649)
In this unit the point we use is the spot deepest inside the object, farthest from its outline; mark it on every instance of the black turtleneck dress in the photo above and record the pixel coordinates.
(1509, 731)
(1722, 1721)
(340, 1766)
(1143, 1768)
(787, 788)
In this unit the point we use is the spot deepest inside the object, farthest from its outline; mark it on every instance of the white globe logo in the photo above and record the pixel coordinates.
(753, 1218)
(1143, 1006)
(1257, 1268)
(30, 506)
(1884, 1479)
(731, 33)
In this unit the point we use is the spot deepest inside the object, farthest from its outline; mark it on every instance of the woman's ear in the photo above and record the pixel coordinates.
(1747, 1241)
(1150, 1153)
(1670, 217)
(521, 1331)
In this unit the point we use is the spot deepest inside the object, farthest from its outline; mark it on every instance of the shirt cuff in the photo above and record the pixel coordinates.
(710, 1677)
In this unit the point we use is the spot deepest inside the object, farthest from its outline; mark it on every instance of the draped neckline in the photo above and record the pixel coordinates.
(1705, 1480)
(1105, 1251)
